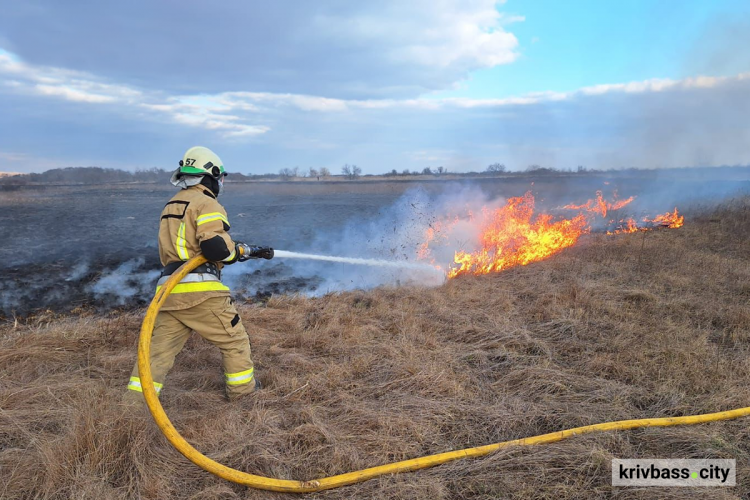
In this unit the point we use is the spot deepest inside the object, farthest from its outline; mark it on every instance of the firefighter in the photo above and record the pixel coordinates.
(194, 222)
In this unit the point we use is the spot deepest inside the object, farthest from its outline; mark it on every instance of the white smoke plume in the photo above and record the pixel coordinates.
(78, 271)
(125, 283)
(396, 233)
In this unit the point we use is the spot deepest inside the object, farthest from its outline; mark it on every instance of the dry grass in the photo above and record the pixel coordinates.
(598, 333)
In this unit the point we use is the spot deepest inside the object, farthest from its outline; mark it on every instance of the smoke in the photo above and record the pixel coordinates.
(125, 283)
(79, 271)
(396, 234)
(449, 221)
(717, 51)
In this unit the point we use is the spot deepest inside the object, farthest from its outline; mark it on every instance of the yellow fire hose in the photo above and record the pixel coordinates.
(291, 486)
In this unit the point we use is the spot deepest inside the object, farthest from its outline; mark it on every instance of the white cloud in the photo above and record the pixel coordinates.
(362, 50)
(72, 94)
(255, 100)
(228, 112)
(432, 34)
(662, 84)
(206, 112)
(303, 102)
(70, 85)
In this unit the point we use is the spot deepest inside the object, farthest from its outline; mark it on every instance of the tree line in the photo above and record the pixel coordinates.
(87, 175)
(99, 175)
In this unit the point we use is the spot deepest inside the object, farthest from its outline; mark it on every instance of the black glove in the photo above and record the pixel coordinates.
(247, 252)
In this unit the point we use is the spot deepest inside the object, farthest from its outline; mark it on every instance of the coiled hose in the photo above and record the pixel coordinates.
(291, 486)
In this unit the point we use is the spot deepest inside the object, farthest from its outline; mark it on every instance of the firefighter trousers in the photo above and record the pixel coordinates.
(217, 321)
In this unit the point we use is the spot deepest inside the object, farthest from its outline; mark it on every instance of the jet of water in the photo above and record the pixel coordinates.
(352, 260)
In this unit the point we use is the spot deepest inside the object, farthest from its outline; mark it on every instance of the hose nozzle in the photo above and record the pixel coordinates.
(253, 252)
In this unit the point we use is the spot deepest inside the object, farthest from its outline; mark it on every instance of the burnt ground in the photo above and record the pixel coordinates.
(60, 288)
(67, 248)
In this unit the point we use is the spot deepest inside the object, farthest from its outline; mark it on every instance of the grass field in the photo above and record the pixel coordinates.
(631, 326)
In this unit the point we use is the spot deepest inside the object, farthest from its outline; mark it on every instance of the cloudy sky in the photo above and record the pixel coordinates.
(384, 85)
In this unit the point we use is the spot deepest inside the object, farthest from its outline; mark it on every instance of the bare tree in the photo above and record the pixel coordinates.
(442, 170)
(324, 172)
(351, 171)
(312, 173)
(427, 171)
(286, 173)
(406, 172)
(497, 168)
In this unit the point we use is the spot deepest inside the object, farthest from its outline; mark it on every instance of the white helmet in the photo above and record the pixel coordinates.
(197, 162)
(201, 161)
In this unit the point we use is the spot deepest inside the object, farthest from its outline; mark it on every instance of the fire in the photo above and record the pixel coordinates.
(670, 219)
(627, 226)
(600, 206)
(514, 235)
(511, 236)
(437, 231)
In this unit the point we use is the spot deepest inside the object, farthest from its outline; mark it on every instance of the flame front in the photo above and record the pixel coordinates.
(511, 236)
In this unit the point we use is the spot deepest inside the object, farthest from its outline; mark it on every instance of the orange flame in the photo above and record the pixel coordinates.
(436, 231)
(627, 226)
(670, 219)
(599, 205)
(511, 236)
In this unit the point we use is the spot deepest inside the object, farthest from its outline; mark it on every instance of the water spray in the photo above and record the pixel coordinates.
(353, 260)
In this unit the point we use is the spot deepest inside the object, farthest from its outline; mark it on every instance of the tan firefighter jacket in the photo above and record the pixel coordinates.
(193, 222)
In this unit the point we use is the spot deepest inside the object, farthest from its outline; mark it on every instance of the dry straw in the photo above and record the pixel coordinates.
(358, 379)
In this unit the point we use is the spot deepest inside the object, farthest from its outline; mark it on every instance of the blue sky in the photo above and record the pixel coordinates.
(385, 85)
(564, 46)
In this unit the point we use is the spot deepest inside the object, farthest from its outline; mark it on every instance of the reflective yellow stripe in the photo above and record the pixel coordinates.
(204, 286)
(212, 217)
(180, 243)
(204, 220)
(239, 378)
(231, 256)
(135, 385)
